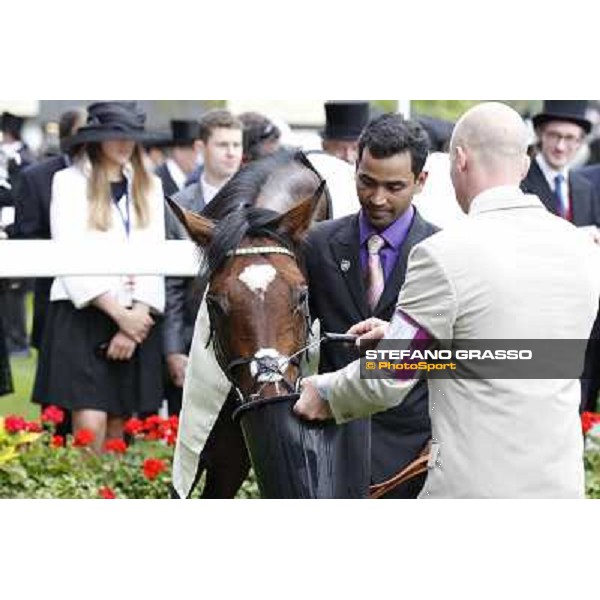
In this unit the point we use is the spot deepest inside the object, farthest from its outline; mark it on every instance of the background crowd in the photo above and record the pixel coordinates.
(109, 348)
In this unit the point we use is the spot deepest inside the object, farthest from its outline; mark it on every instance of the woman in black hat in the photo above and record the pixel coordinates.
(101, 353)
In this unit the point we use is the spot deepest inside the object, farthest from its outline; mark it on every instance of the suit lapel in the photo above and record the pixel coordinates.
(537, 184)
(345, 247)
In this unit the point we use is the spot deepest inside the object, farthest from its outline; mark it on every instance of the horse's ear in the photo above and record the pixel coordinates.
(296, 221)
(200, 228)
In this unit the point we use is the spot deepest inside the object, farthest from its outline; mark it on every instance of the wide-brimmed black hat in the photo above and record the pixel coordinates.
(115, 120)
(345, 120)
(572, 111)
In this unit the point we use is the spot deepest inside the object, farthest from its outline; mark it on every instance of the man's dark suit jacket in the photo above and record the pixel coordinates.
(181, 302)
(585, 207)
(338, 298)
(32, 221)
(585, 199)
(168, 183)
(592, 174)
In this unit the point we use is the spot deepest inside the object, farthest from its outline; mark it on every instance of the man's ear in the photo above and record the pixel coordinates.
(200, 229)
(296, 221)
(421, 180)
(461, 158)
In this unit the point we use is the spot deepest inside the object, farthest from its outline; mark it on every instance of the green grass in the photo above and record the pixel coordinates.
(23, 371)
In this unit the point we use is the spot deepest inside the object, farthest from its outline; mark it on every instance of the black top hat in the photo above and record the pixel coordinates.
(12, 124)
(572, 111)
(345, 120)
(185, 132)
(115, 120)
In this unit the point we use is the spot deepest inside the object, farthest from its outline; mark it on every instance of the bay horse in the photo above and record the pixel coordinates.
(257, 300)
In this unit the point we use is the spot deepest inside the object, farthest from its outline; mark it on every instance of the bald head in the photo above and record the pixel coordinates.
(488, 149)
(495, 135)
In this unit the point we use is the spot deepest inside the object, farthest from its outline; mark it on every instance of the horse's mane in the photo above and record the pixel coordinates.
(243, 189)
(234, 207)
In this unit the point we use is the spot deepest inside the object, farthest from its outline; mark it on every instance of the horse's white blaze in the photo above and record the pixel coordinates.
(257, 278)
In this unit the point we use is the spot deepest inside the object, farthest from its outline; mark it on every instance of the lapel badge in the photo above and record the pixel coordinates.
(345, 265)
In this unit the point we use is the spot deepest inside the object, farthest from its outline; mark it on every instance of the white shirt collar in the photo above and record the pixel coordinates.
(550, 173)
(178, 176)
(208, 191)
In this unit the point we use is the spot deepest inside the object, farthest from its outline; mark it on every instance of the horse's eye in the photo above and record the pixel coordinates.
(302, 295)
(217, 303)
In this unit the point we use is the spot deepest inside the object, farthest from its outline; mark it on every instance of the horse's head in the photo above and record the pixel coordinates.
(257, 294)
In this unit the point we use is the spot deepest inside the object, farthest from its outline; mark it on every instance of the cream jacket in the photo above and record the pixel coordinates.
(69, 222)
(512, 270)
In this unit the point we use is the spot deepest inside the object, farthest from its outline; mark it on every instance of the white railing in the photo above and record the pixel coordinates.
(44, 258)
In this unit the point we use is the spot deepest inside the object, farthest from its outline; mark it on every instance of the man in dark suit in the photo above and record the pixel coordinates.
(340, 253)
(32, 208)
(561, 128)
(14, 157)
(183, 156)
(221, 144)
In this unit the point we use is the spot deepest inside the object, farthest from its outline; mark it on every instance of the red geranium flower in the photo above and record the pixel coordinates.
(58, 441)
(152, 422)
(115, 445)
(133, 426)
(153, 467)
(588, 420)
(106, 493)
(33, 426)
(84, 437)
(171, 438)
(53, 414)
(14, 424)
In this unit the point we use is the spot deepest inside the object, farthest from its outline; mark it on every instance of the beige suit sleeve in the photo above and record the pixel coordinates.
(428, 297)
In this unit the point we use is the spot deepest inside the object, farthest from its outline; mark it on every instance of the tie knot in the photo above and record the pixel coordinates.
(375, 244)
(558, 180)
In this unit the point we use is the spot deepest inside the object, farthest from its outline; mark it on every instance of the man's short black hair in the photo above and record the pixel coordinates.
(391, 134)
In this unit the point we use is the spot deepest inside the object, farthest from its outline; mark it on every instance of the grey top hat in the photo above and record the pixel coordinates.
(572, 111)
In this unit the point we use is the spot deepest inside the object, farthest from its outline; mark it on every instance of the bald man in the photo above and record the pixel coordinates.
(513, 271)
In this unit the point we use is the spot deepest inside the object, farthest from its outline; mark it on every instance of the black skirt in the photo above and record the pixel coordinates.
(73, 374)
(6, 385)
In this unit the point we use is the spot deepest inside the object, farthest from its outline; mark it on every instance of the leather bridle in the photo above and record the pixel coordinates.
(264, 367)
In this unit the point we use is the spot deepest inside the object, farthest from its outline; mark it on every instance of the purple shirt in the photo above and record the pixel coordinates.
(394, 236)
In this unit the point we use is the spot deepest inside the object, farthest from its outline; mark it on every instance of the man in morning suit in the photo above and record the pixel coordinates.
(221, 145)
(182, 156)
(561, 128)
(343, 288)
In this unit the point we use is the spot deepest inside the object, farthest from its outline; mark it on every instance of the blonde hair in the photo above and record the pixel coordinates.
(98, 190)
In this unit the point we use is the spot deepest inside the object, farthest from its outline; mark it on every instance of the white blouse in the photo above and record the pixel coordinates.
(69, 213)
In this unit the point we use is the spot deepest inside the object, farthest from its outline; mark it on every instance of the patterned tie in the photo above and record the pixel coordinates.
(563, 208)
(375, 276)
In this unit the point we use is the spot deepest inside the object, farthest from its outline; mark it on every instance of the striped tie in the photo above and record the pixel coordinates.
(375, 276)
